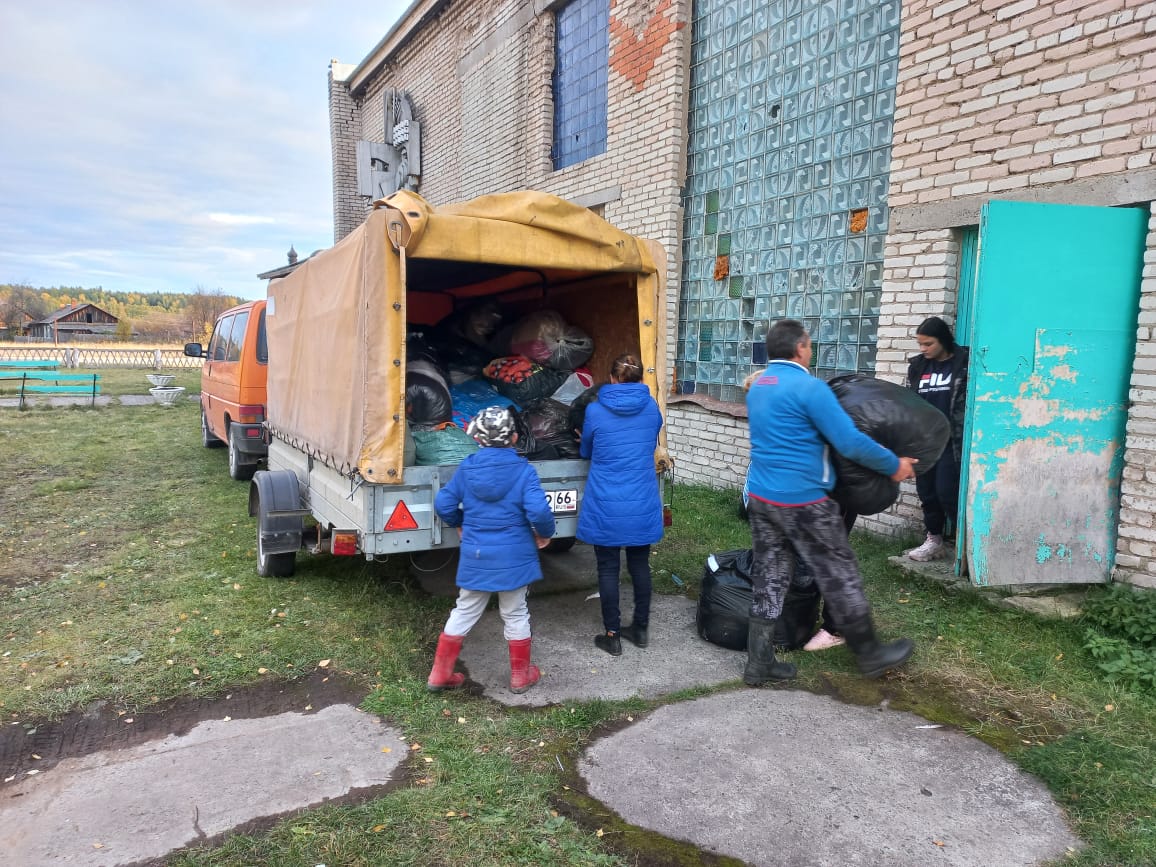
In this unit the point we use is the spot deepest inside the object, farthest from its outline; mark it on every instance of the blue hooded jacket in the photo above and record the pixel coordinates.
(496, 498)
(622, 505)
(795, 419)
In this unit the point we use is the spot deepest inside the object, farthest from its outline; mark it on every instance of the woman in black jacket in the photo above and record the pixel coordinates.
(939, 374)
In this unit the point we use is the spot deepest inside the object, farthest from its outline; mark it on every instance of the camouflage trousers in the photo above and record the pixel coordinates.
(815, 535)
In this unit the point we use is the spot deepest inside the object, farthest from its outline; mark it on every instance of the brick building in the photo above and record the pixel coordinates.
(821, 159)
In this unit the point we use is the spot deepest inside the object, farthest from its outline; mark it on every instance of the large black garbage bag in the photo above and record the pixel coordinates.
(427, 392)
(724, 603)
(895, 417)
(578, 407)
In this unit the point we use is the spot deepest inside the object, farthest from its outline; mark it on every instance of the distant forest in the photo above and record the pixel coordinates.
(169, 317)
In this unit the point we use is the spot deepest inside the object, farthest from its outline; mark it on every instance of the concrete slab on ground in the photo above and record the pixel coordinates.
(140, 803)
(782, 777)
(573, 669)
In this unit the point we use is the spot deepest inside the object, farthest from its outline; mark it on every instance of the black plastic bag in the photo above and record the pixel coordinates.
(895, 417)
(428, 401)
(724, 604)
(578, 407)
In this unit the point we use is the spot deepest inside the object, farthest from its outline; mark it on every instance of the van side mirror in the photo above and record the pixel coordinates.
(193, 350)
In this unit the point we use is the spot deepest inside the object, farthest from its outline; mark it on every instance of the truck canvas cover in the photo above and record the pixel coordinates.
(337, 324)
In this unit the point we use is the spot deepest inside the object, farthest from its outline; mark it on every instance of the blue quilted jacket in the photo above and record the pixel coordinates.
(621, 505)
(496, 498)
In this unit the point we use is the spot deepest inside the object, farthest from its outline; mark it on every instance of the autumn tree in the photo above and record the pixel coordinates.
(203, 308)
(21, 305)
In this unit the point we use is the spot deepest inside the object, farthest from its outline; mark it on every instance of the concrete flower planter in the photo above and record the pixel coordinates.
(167, 396)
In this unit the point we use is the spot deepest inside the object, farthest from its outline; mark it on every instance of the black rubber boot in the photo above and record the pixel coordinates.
(639, 636)
(762, 666)
(872, 657)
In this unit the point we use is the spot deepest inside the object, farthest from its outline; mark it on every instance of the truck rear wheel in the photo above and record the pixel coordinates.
(274, 565)
(560, 545)
(273, 492)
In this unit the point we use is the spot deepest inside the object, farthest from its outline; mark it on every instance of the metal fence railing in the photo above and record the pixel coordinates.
(143, 358)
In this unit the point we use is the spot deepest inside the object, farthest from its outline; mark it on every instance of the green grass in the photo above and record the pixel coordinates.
(127, 575)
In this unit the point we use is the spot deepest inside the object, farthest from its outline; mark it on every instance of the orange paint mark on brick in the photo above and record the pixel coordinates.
(635, 49)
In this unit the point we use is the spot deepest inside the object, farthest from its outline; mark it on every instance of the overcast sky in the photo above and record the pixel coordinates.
(159, 145)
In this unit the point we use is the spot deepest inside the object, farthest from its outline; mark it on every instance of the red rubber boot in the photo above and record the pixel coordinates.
(523, 674)
(443, 675)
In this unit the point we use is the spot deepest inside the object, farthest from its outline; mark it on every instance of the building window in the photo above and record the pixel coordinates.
(581, 60)
(789, 151)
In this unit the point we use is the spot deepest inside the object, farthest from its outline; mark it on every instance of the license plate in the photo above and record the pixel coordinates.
(562, 501)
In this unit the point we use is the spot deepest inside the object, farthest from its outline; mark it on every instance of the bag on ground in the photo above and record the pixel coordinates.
(724, 603)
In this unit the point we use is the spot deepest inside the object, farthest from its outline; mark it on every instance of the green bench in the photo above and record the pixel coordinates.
(42, 377)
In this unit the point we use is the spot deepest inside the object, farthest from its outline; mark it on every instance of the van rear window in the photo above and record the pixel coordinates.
(237, 336)
(262, 340)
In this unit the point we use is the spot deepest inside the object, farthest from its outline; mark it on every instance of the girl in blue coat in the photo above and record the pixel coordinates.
(622, 506)
(496, 500)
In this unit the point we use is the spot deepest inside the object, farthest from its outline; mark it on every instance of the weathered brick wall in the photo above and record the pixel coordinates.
(1003, 95)
(479, 79)
(344, 132)
(709, 447)
(1054, 101)
(1136, 547)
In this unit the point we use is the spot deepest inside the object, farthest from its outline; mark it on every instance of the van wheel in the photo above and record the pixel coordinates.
(207, 439)
(274, 565)
(238, 470)
(560, 545)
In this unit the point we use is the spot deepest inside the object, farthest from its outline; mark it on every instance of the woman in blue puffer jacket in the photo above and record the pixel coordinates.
(622, 506)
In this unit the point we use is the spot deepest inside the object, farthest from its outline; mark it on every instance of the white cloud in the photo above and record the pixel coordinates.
(161, 146)
(239, 219)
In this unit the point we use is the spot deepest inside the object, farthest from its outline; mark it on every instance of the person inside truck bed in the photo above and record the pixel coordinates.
(622, 506)
(497, 501)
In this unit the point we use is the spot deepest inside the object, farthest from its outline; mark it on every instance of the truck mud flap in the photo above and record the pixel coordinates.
(275, 500)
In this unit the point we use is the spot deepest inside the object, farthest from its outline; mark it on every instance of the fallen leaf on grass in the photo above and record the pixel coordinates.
(427, 758)
(599, 832)
(323, 663)
(377, 829)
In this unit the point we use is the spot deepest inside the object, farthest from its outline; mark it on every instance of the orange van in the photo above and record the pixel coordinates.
(233, 379)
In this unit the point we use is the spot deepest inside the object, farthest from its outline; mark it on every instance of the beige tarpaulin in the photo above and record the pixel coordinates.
(337, 324)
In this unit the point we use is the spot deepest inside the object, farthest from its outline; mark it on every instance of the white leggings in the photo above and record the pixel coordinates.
(471, 605)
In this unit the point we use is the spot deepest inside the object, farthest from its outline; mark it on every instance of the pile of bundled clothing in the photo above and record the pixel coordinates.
(473, 359)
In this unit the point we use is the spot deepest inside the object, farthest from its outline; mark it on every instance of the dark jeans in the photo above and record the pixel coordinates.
(938, 491)
(638, 565)
(816, 536)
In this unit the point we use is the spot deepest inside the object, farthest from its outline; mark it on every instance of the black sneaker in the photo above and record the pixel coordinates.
(636, 635)
(610, 642)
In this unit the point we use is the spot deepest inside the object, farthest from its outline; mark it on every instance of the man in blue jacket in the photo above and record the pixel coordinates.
(795, 420)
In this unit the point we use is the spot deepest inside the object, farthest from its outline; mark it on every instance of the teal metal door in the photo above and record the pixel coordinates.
(1052, 330)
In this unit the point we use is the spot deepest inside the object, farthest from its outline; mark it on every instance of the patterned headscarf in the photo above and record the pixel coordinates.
(493, 426)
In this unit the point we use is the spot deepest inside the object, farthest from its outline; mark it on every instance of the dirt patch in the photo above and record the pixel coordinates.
(27, 746)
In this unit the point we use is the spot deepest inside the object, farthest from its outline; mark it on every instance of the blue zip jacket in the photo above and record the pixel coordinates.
(793, 417)
(496, 498)
(621, 505)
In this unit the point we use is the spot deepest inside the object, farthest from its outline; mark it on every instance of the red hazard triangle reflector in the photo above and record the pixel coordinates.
(401, 519)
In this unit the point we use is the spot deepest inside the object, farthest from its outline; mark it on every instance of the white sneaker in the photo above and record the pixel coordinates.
(931, 549)
(822, 640)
